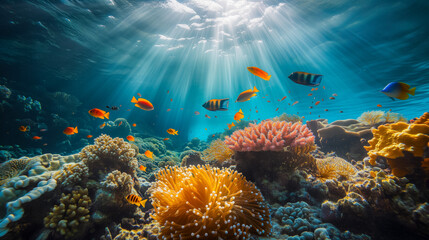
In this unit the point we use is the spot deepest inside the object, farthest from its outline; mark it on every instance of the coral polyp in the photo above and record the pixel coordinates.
(208, 203)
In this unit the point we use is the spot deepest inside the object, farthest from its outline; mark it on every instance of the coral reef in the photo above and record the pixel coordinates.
(72, 173)
(334, 167)
(71, 214)
(28, 104)
(119, 128)
(120, 184)
(423, 119)
(208, 203)
(270, 136)
(391, 141)
(288, 118)
(192, 159)
(152, 144)
(218, 151)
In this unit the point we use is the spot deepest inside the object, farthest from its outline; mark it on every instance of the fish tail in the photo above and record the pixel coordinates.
(255, 89)
(134, 100)
(240, 111)
(75, 130)
(143, 202)
(412, 91)
(268, 78)
(107, 115)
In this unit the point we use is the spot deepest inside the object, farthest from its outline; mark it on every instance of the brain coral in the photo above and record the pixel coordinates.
(270, 136)
(208, 203)
(109, 154)
(391, 140)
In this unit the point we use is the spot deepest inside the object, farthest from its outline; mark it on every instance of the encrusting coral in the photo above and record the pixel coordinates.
(13, 168)
(423, 119)
(208, 203)
(334, 167)
(68, 217)
(390, 141)
(270, 136)
(217, 151)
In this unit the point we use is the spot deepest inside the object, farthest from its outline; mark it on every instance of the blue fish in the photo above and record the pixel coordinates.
(398, 90)
(217, 104)
(307, 79)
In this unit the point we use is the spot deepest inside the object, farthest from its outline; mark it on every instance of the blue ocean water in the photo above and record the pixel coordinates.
(180, 54)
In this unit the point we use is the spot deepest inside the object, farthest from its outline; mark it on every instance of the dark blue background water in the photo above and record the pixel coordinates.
(105, 52)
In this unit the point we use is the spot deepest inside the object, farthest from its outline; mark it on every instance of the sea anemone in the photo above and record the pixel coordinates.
(217, 151)
(208, 203)
(371, 118)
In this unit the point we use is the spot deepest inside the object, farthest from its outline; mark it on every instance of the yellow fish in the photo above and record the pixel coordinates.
(230, 125)
(172, 131)
(238, 116)
(137, 200)
(246, 95)
(148, 154)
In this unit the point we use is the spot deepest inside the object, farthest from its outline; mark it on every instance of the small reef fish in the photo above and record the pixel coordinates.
(307, 79)
(42, 130)
(24, 128)
(142, 104)
(310, 94)
(295, 103)
(246, 95)
(238, 116)
(326, 110)
(283, 98)
(317, 103)
(335, 95)
(130, 138)
(165, 139)
(148, 154)
(37, 138)
(323, 87)
(332, 98)
(277, 109)
(134, 125)
(114, 108)
(268, 101)
(136, 200)
(207, 116)
(171, 99)
(205, 129)
(142, 168)
(168, 109)
(89, 136)
(260, 73)
(197, 113)
(172, 131)
(98, 113)
(256, 111)
(398, 90)
(379, 105)
(341, 111)
(102, 125)
(138, 94)
(217, 104)
(70, 131)
(230, 125)
(120, 123)
(168, 91)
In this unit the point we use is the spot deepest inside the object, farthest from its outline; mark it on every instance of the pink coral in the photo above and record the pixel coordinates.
(270, 136)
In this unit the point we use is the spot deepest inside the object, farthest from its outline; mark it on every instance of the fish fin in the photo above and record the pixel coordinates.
(107, 115)
(412, 91)
(233, 124)
(75, 130)
(143, 202)
(403, 96)
(240, 111)
(268, 78)
(134, 100)
(253, 95)
(255, 89)
(392, 98)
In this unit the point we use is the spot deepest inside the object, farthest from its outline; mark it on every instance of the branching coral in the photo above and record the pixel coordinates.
(334, 167)
(208, 203)
(270, 136)
(68, 217)
(391, 140)
(371, 118)
(217, 151)
(109, 154)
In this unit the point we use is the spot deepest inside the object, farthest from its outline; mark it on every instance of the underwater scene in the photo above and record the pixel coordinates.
(214, 119)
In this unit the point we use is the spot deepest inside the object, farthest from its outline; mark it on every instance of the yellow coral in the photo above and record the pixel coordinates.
(208, 203)
(390, 140)
(423, 119)
(218, 151)
(334, 167)
(68, 217)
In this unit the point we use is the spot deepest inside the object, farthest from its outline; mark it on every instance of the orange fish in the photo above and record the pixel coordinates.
(136, 200)
(283, 98)
(335, 95)
(205, 129)
(89, 136)
(24, 128)
(148, 154)
(102, 125)
(165, 139)
(246, 95)
(130, 138)
(326, 110)
(138, 94)
(168, 109)
(168, 91)
(268, 101)
(143, 168)
(238, 116)
(277, 109)
(310, 107)
(134, 125)
(317, 103)
(310, 94)
(312, 89)
(341, 111)
(323, 87)
(171, 99)
(379, 105)
(207, 116)
(230, 125)
(295, 103)
(332, 98)
(37, 138)
(120, 123)
(142, 104)
(260, 73)
(70, 131)
(197, 113)
(256, 111)
(172, 131)
(98, 113)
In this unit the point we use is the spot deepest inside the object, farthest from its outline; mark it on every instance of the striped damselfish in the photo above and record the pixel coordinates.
(308, 79)
(217, 104)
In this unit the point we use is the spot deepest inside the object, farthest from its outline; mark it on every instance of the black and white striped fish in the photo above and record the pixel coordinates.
(217, 104)
(308, 79)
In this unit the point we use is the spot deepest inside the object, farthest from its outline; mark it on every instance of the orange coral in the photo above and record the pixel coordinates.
(424, 119)
(208, 203)
(334, 167)
(218, 151)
